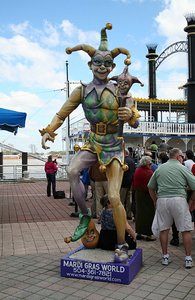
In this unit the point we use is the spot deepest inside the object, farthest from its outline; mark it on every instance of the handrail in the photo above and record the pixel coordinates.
(14, 171)
(166, 128)
(181, 129)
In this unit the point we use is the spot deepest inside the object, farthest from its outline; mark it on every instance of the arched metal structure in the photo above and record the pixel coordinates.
(154, 62)
(181, 46)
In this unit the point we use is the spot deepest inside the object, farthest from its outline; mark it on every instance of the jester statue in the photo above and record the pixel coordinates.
(100, 103)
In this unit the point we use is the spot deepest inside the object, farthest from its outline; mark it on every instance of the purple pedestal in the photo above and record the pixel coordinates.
(73, 267)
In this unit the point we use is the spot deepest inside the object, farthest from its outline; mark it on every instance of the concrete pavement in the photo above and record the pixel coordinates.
(32, 228)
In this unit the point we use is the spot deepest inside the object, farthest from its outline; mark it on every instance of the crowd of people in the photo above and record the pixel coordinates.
(151, 196)
(156, 196)
(143, 184)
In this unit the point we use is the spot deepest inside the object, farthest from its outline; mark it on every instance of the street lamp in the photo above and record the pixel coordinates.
(67, 94)
(68, 118)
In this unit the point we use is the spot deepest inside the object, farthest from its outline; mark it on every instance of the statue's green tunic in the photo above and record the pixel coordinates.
(101, 105)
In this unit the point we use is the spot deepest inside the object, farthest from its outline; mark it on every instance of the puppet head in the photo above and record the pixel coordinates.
(125, 80)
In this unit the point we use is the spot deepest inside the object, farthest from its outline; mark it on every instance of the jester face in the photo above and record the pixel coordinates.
(124, 85)
(91, 237)
(101, 64)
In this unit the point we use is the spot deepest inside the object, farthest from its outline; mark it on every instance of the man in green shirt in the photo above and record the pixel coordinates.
(168, 189)
(154, 150)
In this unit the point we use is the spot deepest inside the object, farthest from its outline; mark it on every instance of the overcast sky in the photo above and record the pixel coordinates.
(34, 35)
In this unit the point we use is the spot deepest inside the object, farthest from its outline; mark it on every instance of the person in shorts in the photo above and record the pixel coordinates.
(168, 189)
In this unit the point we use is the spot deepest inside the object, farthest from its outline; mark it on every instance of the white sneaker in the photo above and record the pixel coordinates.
(188, 263)
(121, 253)
(165, 260)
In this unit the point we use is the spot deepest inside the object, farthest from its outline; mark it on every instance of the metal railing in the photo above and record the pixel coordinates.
(144, 128)
(34, 172)
(182, 129)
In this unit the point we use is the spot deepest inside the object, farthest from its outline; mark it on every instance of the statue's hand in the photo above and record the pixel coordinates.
(46, 137)
(124, 113)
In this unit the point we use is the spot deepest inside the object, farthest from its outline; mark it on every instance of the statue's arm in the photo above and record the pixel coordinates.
(48, 133)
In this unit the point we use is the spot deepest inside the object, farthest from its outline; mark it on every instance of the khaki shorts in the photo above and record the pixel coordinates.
(169, 210)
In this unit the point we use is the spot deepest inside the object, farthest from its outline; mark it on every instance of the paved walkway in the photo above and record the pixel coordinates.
(32, 228)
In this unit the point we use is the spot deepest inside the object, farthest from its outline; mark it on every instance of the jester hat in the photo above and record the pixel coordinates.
(126, 76)
(103, 47)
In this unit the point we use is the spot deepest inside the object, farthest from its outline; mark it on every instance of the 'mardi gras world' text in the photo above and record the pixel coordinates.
(93, 269)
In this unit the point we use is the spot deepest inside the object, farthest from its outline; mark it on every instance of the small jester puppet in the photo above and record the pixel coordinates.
(124, 83)
(103, 112)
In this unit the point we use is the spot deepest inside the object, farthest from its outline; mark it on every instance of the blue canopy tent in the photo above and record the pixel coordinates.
(11, 120)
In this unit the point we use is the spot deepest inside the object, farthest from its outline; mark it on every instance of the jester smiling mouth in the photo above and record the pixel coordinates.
(102, 72)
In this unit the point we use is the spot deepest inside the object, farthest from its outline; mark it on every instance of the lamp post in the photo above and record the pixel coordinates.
(68, 118)
(67, 94)
(74, 214)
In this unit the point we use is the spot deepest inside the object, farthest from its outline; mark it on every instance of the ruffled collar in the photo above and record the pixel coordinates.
(99, 88)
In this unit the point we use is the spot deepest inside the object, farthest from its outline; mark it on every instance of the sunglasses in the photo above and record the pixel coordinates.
(99, 62)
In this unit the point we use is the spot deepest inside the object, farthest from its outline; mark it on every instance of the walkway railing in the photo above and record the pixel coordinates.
(34, 172)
